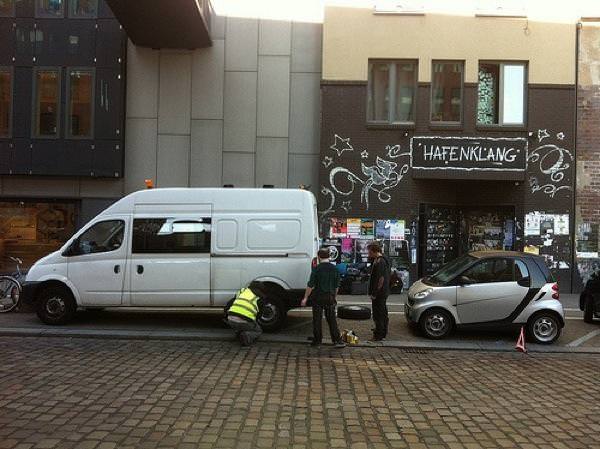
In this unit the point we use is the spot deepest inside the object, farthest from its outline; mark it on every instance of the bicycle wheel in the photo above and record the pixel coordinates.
(10, 293)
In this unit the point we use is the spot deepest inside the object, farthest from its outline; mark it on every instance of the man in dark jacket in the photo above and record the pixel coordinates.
(379, 290)
(322, 288)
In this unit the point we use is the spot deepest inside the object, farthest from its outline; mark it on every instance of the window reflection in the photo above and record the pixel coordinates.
(49, 8)
(80, 103)
(47, 101)
(7, 8)
(5, 102)
(83, 8)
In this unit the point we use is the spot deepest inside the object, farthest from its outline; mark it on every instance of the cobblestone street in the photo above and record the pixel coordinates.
(132, 394)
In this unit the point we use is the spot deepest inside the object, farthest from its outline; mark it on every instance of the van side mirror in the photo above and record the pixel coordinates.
(465, 280)
(524, 282)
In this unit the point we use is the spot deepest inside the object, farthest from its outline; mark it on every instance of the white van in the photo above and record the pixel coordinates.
(182, 248)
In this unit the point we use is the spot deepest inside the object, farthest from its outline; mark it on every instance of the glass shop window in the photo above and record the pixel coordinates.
(80, 103)
(7, 8)
(392, 91)
(501, 94)
(447, 92)
(83, 9)
(49, 8)
(47, 101)
(5, 102)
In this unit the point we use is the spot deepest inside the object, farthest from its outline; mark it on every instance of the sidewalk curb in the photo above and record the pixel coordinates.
(116, 334)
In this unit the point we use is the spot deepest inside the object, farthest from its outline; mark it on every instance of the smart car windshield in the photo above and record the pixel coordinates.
(450, 270)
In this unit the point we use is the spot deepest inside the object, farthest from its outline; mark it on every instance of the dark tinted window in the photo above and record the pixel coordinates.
(163, 235)
(100, 238)
(47, 102)
(5, 102)
(7, 8)
(80, 103)
(49, 8)
(83, 8)
(446, 91)
(491, 270)
(521, 270)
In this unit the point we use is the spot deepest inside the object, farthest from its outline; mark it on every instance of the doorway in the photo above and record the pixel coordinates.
(447, 232)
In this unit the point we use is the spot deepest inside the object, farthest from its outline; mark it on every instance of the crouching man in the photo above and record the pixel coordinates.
(242, 316)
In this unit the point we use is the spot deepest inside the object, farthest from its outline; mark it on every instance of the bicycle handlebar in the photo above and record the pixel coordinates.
(16, 260)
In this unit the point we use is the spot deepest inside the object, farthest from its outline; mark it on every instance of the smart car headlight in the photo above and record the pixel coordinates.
(423, 294)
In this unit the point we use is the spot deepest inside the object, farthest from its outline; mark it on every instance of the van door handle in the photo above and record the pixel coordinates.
(117, 268)
(140, 269)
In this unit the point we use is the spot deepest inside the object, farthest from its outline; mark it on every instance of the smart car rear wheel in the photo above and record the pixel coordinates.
(544, 328)
(436, 324)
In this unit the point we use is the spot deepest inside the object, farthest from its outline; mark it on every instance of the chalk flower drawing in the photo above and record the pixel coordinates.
(380, 178)
(347, 205)
(560, 136)
(340, 145)
(552, 161)
(394, 151)
(542, 134)
(327, 161)
(364, 154)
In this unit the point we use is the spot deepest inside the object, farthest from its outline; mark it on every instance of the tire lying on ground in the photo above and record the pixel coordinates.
(353, 313)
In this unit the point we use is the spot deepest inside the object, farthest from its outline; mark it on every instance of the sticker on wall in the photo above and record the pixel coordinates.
(561, 224)
(353, 227)
(532, 224)
(338, 227)
(531, 249)
(397, 229)
(367, 227)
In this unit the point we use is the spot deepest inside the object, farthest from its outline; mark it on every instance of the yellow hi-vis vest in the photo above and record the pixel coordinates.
(245, 304)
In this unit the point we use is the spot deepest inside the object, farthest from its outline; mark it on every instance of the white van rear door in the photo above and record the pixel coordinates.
(170, 260)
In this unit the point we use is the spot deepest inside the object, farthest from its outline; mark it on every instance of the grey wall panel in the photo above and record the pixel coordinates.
(173, 161)
(140, 152)
(174, 105)
(48, 157)
(24, 8)
(81, 43)
(7, 41)
(241, 44)
(22, 107)
(5, 154)
(20, 159)
(35, 186)
(271, 161)
(107, 159)
(238, 169)
(217, 26)
(273, 96)
(305, 107)
(274, 37)
(306, 47)
(24, 42)
(50, 41)
(240, 111)
(101, 188)
(304, 169)
(142, 82)
(110, 41)
(208, 72)
(206, 168)
(77, 157)
(108, 117)
(90, 207)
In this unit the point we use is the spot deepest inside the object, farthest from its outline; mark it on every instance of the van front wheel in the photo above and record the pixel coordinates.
(55, 305)
(272, 314)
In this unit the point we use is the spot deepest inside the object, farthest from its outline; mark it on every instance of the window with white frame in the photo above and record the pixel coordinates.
(392, 91)
(501, 93)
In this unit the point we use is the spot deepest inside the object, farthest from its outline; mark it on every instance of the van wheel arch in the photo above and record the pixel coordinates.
(275, 309)
(55, 303)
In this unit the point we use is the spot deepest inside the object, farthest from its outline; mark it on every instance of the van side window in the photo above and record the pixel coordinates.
(100, 238)
(167, 235)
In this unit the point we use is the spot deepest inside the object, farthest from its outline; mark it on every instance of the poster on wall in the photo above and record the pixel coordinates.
(367, 228)
(382, 230)
(338, 227)
(546, 224)
(561, 224)
(532, 224)
(396, 229)
(353, 227)
(347, 250)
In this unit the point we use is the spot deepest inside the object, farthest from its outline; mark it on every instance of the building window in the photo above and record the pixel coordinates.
(80, 103)
(501, 94)
(447, 91)
(392, 90)
(7, 8)
(49, 8)
(47, 103)
(5, 102)
(83, 9)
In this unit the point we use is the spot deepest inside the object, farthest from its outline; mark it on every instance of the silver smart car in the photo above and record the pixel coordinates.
(488, 289)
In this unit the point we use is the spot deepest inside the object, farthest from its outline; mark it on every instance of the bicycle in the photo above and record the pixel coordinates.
(10, 288)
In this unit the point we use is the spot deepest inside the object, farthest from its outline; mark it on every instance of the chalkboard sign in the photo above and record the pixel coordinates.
(469, 157)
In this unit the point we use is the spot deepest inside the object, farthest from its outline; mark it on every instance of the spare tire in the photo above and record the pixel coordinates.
(353, 313)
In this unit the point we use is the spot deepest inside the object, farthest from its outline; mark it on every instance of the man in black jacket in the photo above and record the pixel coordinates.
(379, 290)
(322, 288)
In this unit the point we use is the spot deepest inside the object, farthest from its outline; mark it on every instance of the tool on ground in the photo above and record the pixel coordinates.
(520, 346)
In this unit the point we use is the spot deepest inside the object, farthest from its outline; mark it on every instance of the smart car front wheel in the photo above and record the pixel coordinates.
(544, 328)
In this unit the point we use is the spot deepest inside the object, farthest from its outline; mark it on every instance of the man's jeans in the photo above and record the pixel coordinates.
(247, 331)
(334, 331)
(380, 316)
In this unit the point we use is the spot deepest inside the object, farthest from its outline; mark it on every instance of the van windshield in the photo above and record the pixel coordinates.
(450, 271)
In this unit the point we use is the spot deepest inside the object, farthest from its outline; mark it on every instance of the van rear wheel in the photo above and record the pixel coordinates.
(55, 305)
(272, 314)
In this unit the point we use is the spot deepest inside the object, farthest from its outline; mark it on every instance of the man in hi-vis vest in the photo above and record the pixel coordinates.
(243, 313)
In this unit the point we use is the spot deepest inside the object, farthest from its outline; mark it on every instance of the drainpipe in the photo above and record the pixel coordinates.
(576, 115)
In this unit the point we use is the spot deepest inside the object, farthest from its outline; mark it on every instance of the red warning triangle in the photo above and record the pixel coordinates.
(520, 346)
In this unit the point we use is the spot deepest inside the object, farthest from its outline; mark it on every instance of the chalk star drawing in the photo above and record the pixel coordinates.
(327, 161)
(344, 145)
(560, 136)
(364, 154)
(347, 206)
(542, 134)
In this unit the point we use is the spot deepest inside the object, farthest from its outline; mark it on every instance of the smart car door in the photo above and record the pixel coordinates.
(491, 290)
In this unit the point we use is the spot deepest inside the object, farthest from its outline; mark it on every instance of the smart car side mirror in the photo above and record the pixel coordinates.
(465, 280)
(524, 282)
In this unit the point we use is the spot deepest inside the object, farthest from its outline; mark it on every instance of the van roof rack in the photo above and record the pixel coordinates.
(228, 186)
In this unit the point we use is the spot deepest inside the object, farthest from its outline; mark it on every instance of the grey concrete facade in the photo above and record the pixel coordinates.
(244, 111)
